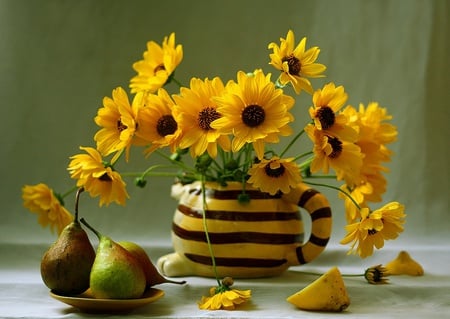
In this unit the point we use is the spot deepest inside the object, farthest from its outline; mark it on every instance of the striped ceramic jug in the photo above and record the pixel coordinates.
(259, 238)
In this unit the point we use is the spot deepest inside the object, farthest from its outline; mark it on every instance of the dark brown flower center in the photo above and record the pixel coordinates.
(159, 68)
(120, 126)
(326, 117)
(294, 64)
(166, 125)
(274, 172)
(206, 117)
(105, 178)
(253, 115)
(336, 146)
(372, 231)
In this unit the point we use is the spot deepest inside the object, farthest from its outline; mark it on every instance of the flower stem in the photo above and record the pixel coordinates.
(205, 227)
(70, 191)
(320, 274)
(335, 188)
(296, 137)
(172, 78)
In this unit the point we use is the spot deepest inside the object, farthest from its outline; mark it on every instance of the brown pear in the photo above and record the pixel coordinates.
(66, 265)
(153, 277)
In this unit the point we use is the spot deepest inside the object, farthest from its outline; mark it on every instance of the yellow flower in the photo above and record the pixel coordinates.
(345, 158)
(97, 178)
(296, 64)
(374, 227)
(372, 119)
(358, 195)
(224, 299)
(118, 121)
(195, 111)
(373, 136)
(157, 125)
(274, 175)
(158, 65)
(327, 102)
(41, 199)
(254, 111)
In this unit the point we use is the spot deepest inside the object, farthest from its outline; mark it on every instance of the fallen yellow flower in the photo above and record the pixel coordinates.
(226, 300)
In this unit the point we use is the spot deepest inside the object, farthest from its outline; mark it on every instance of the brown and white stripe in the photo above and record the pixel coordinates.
(260, 238)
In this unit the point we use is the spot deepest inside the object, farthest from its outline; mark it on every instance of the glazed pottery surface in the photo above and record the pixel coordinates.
(256, 238)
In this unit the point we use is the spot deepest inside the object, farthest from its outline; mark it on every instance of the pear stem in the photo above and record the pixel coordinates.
(77, 200)
(85, 223)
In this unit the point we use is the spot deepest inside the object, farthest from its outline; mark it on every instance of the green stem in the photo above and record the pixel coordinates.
(205, 226)
(304, 155)
(335, 188)
(148, 172)
(70, 191)
(296, 137)
(176, 82)
(177, 163)
(320, 274)
(323, 176)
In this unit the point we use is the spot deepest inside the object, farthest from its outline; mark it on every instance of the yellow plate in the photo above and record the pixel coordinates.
(87, 303)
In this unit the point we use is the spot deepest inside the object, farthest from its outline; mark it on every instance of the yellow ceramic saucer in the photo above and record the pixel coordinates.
(87, 303)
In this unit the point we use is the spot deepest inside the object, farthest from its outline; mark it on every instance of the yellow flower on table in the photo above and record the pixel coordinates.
(97, 178)
(41, 199)
(157, 66)
(254, 111)
(296, 64)
(274, 175)
(226, 299)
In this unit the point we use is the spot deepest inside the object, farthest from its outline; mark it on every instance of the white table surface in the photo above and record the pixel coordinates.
(23, 295)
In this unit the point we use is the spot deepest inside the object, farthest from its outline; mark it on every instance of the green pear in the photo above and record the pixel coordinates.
(153, 277)
(116, 273)
(66, 265)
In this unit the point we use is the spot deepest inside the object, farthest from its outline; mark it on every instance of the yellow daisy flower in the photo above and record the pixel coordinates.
(195, 111)
(118, 121)
(345, 158)
(158, 65)
(374, 133)
(41, 199)
(97, 178)
(274, 175)
(373, 228)
(254, 111)
(296, 64)
(372, 119)
(223, 297)
(157, 125)
(358, 193)
(326, 103)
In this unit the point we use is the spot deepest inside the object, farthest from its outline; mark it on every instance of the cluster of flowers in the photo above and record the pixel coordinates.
(227, 129)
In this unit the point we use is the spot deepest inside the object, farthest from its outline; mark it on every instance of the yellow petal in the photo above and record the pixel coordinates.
(403, 264)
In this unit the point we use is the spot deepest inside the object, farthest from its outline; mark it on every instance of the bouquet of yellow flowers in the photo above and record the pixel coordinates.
(225, 131)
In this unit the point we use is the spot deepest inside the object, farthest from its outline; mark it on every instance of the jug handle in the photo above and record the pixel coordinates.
(318, 207)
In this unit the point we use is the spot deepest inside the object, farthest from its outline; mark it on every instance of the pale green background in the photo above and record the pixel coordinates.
(58, 59)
